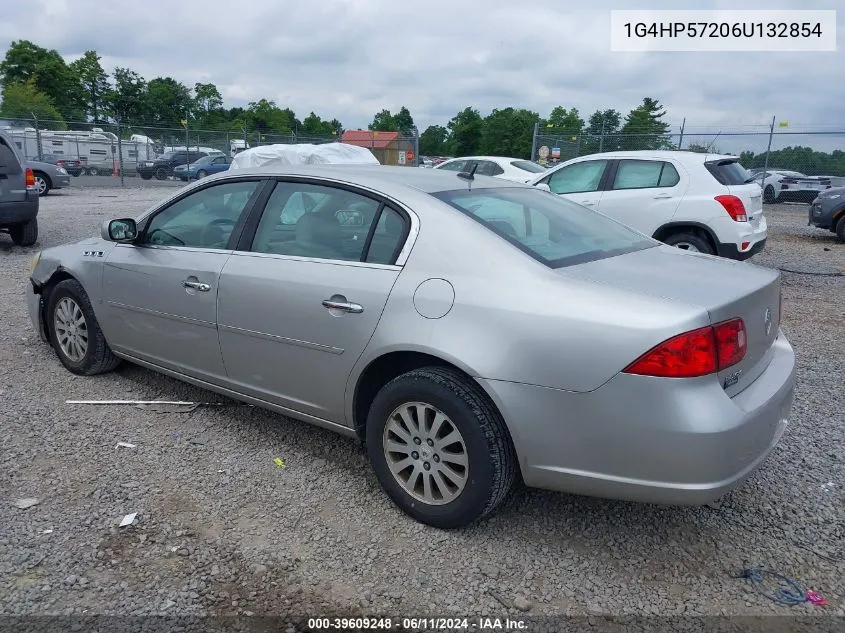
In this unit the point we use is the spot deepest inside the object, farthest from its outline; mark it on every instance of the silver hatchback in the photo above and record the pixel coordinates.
(472, 331)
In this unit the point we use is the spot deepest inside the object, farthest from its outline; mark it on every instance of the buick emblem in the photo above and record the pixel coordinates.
(767, 319)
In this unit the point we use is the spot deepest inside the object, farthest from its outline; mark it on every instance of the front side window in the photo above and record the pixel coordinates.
(552, 230)
(645, 174)
(527, 165)
(203, 219)
(578, 178)
(308, 220)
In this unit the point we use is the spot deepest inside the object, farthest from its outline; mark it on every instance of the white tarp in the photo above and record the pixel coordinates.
(303, 154)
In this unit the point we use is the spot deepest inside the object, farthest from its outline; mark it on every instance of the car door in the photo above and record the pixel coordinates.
(298, 305)
(218, 164)
(643, 194)
(160, 293)
(579, 182)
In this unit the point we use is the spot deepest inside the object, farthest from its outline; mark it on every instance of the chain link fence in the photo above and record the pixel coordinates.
(117, 149)
(808, 151)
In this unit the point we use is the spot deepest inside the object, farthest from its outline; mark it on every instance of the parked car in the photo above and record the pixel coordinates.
(162, 167)
(698, 202)
(827, 211)
(781, 185)
(18, 197)
(508, 168)
(472, 330)
(72, 165)
(202, 167)
(48, 176)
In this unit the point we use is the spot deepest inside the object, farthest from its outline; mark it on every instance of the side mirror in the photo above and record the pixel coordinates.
(543, 186)
(124, 230)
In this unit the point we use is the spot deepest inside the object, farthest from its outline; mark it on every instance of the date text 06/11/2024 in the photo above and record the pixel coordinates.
(417, 624)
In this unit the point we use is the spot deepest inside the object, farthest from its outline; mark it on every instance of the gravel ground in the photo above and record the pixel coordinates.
(221, 529)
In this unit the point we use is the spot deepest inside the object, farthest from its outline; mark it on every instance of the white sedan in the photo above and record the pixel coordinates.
(515, 169)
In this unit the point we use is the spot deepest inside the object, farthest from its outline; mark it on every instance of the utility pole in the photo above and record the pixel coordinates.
(768, 149)
(681, 140)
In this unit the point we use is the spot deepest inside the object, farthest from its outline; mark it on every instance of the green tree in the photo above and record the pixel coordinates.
(49, 73)
(208, 105)
(167, 102)
(601, 133)
(465, 130)
(384, 121)
(20, 100)
(404, 121)
(95, 83)
(509, 132)
(270, 119)
(128, 98)
(433, 141)
(644, 127)
(566, 122)
(313, 125)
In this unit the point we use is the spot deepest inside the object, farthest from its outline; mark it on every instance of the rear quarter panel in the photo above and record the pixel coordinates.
(513, 318)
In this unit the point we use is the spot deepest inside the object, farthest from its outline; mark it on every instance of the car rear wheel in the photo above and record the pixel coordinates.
(42, 183)
(74, 332)
(93, 171)
(161, 173)
(769, 195)
(690, 242)
(25, 234)
(439, 448)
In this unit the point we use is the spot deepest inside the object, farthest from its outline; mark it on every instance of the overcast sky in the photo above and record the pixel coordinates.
(351, 58)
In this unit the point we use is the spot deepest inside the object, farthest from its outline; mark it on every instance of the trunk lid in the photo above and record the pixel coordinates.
(738, 182)
(726, 289)
(752, 199)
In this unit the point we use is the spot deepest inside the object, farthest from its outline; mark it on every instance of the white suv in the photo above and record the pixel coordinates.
(699, 202)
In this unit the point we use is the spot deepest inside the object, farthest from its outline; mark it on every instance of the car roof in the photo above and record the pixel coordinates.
(683, 156)
(378, 177)
(506, 159)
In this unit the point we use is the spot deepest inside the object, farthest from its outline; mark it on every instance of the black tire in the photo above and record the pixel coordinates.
(840, 228)
(44, 178)
(769, 195)
(93, 171)
(98, 356)
(147, 176)
(25, 234)
(492, 462)
(201, 174)
(161, 173)
(685, 240)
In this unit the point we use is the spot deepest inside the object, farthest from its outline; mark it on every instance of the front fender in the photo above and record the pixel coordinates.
(82, 260)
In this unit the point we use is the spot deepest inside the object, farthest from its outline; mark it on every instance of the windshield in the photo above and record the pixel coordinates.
(527, 165)
(551, 229)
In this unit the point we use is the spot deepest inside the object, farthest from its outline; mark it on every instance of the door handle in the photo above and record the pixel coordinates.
(352, 308)
(588, 203)
(196, 285)
(662, 196)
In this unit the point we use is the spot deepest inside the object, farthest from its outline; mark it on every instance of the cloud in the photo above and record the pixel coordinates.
(350, 58)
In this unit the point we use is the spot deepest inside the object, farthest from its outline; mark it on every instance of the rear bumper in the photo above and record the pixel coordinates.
(19, 212)
(731, 251)
(675, 442)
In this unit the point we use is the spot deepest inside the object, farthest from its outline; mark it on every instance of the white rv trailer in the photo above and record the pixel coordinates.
(97, 149)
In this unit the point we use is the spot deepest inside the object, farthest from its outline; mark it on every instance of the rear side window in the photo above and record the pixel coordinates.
(455, 165)
(9, 163)
(527, 165)
(645, 174)
(728, 172)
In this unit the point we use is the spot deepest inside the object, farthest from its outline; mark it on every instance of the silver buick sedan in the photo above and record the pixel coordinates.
(471, 331)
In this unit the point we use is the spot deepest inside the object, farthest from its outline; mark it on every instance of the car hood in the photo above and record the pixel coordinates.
(833, 191)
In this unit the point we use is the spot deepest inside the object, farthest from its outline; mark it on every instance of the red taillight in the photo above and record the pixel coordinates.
(734, 207)
(745, 245)
(684, 356)
(731, 342)
(30, 179)
(696, 353)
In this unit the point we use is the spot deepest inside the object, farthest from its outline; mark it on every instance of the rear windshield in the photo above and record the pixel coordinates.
(527, 165)
(729, 172)
(9, 162)
(551, 229)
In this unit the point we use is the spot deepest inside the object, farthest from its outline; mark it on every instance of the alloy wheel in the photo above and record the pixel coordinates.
(71, 329)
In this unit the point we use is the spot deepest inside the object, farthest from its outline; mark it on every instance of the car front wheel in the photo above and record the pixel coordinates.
(74, 332)
(769, 195)
(439, 448)
(161, 173)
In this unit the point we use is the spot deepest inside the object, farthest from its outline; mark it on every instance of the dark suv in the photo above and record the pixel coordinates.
(162, 167)
(18, 196)
(827, 211)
